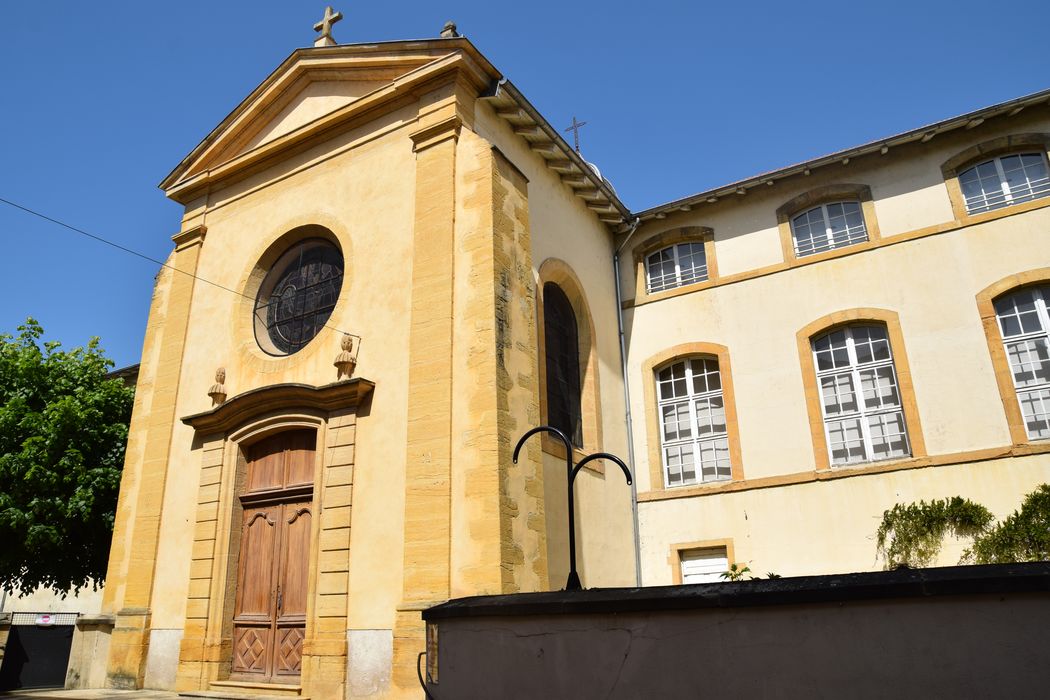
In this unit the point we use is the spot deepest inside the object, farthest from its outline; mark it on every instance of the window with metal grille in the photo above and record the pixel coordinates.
(860, 396)
(562, 354)
(693, 433)
(676, 266)
(829, 226)
(1003, 181)
(1024, 324)
(297, 296)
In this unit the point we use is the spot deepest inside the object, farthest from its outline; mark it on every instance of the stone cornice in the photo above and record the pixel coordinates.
(970, 120)
(190, 237)
(436, 133)
(278, 397)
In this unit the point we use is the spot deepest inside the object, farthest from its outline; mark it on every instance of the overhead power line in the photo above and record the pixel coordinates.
(137, 254)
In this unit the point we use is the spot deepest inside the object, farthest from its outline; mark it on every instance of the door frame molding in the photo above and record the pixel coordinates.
(221, 436)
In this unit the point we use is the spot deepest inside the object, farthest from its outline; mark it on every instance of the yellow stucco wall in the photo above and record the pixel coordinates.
(435, 194)
(927, 269)
(825, 527)
(563, 228)
(368, 207)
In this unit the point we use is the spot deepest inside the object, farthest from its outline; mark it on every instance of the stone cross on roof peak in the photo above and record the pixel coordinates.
(325, 27)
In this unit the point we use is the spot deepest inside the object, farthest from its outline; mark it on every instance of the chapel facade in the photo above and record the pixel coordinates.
(390, 267)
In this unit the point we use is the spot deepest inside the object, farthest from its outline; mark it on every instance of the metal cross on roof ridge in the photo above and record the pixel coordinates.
(575, 129)
(325, 27)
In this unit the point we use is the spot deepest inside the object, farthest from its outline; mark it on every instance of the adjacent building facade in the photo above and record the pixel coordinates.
(390, 267)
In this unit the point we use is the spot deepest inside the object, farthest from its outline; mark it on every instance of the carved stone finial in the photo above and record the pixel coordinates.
(218, 389)
(345, 362)
(449, 30)
(325, 27)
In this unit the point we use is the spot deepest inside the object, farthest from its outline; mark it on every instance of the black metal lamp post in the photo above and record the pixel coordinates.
(573, 583)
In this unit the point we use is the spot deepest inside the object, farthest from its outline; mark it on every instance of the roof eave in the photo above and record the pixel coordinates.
(924, 133)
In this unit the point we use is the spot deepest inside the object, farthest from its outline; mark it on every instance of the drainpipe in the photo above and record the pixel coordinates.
(627, 405)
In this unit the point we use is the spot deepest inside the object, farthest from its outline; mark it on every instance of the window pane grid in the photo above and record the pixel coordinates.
(1024, 322)
(694, 434)
(1004, 181)
(828, 227)
(860, 397)
(676, 266)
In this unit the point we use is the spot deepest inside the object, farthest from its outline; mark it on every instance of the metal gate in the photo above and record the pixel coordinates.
(37, 651)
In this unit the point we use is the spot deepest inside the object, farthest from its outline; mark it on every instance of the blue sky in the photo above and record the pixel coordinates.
(101, 100)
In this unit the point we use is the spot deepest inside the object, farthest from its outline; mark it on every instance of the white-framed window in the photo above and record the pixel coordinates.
(860, 396)
(1005, 180)
(676, 266)
(1024, 324)
(704, 565)
(694, 438)
(829, 226)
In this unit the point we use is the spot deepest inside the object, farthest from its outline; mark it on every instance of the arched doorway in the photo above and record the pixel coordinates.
(269, 616)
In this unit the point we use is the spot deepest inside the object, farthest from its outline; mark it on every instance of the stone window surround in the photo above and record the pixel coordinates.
(665, 239)
(678, 549)
(281, 238)
(978, 153)
(828, 194)
(1000, 365)
(652, 416)
(560, 273)
(830, 322)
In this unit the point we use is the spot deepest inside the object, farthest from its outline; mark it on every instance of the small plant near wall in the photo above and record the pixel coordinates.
(736, 572)
(742, 572)
(912, 534)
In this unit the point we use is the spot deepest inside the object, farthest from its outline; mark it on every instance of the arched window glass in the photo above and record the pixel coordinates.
(827, 227)
(562, 350)
(1024, 325)
(693, 431)
(860, 397)
(676, 266)
(1003, 181)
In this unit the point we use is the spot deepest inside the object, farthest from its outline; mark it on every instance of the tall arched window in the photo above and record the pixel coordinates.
(1024, 324)
(860, 397)
(694, 435)
(562, 353)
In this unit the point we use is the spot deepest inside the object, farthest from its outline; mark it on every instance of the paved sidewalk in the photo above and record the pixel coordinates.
(101, 694)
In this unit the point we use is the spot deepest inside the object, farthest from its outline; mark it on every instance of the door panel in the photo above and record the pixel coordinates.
(270, 609)
(300, 464)
(251, 650)
(265, 465)
(292, 582)
(297, 524)
(258, 542)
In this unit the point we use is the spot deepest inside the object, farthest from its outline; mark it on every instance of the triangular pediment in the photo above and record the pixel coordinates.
(313, 88)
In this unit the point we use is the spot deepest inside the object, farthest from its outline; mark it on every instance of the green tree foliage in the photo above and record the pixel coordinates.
(912, 533)
(63, 429)
(1022, 536)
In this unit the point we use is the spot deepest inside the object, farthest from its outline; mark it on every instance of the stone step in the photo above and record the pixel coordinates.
(242, 694)
(240, 690)
(236, 695)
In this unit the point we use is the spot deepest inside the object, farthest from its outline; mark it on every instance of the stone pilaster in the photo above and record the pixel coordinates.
(429, 457)
(137, 524)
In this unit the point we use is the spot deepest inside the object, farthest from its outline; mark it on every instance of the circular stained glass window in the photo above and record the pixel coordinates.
(297, 296)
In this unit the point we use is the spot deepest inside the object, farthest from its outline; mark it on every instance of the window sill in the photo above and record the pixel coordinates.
(874, 244)
(1009, 451)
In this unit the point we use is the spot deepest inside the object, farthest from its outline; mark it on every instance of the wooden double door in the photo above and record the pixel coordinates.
(269, 622)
